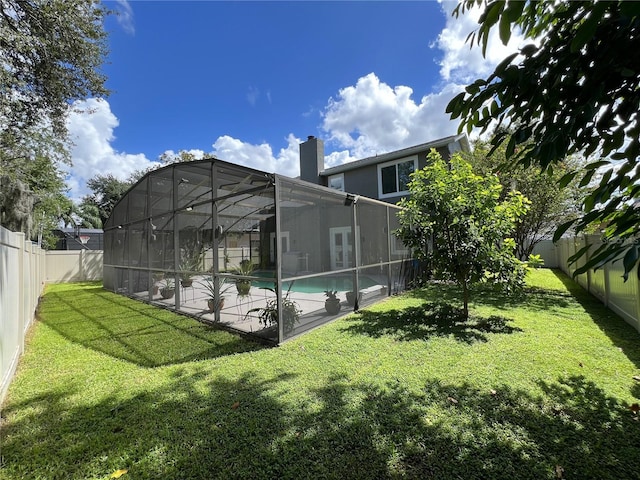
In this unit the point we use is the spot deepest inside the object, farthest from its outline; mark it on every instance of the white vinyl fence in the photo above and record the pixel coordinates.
(22, 278)
(24, 270)
(606, 283)
(73, 266)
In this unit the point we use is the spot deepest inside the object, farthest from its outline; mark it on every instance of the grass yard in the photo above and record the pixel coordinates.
(536, 387)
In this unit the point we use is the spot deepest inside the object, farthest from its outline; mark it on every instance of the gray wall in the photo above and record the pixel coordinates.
(364, 180)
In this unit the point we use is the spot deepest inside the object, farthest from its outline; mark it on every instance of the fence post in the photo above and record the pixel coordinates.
(81, 267)
(634, 276)
(607, 285)
(587, 256)
(22, 294)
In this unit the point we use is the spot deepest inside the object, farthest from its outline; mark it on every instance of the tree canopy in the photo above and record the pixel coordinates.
(106, 192)
(457, 221)
(574, 89)
(550, 205)
(50, 56)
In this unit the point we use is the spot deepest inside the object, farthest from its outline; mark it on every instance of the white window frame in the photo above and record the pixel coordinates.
(395, 163)
(394, 246)
(332, 177)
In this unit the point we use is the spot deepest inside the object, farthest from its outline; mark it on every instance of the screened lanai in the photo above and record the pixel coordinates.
(244, 248)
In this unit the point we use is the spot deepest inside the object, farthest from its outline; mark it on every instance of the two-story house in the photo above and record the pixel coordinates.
(384, 177)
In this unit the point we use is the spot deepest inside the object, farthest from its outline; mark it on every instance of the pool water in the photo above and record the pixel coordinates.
(315, 284)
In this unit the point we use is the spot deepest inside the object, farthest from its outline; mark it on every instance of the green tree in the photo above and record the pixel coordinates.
(89, 216)
(575, 91)
(455, 219)
(106, 192)
(181, 156)
(52, 51)
(550, 204)
(33, 200)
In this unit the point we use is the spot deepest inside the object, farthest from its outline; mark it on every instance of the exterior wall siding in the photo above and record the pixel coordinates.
(364, 180)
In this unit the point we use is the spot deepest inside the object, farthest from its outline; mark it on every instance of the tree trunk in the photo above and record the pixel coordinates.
(465, 300)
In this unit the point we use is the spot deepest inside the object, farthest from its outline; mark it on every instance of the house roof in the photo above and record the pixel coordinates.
(405, 152)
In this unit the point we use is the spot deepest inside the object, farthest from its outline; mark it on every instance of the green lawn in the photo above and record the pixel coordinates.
(535, 387)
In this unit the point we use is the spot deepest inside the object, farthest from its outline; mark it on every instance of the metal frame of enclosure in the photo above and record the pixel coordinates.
(244, 248)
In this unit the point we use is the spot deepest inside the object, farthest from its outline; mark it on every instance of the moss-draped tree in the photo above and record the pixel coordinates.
(51, 52)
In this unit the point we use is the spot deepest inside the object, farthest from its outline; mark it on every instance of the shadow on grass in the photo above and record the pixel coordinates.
(623, 335)
(432, 319)
(134, 331)
(534, 298)
(197, 426)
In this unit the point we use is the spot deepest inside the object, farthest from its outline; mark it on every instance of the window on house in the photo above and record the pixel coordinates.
(337, 182)
(394, 177)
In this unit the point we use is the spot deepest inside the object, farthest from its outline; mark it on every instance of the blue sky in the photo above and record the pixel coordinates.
(248, 81)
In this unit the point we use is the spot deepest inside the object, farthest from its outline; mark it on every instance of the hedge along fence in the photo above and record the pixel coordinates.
(22, 278)
(607, 283)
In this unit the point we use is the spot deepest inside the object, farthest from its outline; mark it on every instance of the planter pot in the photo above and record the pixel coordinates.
(290, 321)
(155, 289)
(243, 287)
(186, 283)
(212, 305)
(167, 293)
(351, 298)
(332, 306)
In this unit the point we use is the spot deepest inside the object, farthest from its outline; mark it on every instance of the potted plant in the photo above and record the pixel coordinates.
(156, 277)
(332, 303)
(190, 263)
(351, 298)
(268, 315)
(245, 268)
(215, 303)
(169, 289)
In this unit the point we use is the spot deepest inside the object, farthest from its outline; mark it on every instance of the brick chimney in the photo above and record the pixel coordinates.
(311, 159)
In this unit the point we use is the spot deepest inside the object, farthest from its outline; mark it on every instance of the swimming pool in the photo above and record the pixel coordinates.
(341, 283)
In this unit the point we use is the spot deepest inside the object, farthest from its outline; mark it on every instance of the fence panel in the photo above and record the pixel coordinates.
(623, 296)
(74, 265)
(547, 250)
(21, 283)
(607, 283)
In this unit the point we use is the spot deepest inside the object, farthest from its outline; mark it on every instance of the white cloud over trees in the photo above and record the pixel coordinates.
(91, 125)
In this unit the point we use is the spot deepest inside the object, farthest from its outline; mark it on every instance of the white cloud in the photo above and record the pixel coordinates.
(124, 14)
(372, 117)
(170, 156)
(91, 126)
(338, 158)
(261, 156)
(463, 64)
